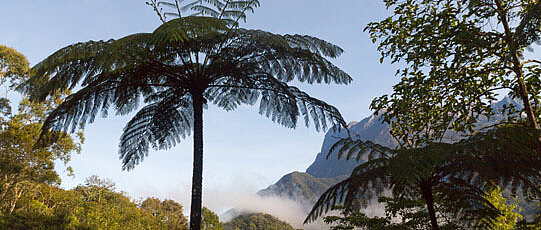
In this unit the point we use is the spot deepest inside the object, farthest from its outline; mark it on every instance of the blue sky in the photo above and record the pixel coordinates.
(240, 146)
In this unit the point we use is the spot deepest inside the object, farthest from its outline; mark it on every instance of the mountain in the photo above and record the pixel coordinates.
(370, 128)
(301, 186)
(306, 187)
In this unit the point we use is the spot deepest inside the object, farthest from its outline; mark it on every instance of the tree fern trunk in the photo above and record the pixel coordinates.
(429, 199)
(197, 177)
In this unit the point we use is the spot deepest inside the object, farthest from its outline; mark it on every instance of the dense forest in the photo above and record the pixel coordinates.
(457, 161)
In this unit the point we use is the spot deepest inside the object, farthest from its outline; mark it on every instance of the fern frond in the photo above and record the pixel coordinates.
(160, 125)
(314, 45)
(506, 156)
(182, 30)
(354, 148)
(274, 53)
(203, 10)
(367, 181)
(230, 11)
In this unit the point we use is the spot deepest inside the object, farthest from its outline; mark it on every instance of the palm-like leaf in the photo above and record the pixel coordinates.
(230, 11)
(160, 125)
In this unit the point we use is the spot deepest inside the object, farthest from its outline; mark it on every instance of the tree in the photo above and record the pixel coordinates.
(351, 219)
(458, 56)
(92, 205)
(168, 211)
(23, 167)
(510, 215)
(101, 207)
(177, 70)
(13, 66)
(211, 221)
(453, 176)
(256, 221)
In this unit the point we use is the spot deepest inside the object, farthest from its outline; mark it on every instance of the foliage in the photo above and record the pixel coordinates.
(400, 213)
(453, 176)
(24, 167)
(103, 208)
(13, 66)
(210, 220)
(91, 206)
(458, 56)
(509, 216)
(168, 212)
(256, 221)
(405, 214)
(351, 219)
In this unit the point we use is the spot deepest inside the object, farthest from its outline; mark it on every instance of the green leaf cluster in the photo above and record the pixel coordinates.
(24, 166)
(457, 57)
(14, 66)
(210, 220)
(167, 212)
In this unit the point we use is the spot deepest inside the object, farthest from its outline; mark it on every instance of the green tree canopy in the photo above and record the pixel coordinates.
(24, 166)
(457, 57)
(211, 221)
(256, 221)
(93, 205)
(13, 66)
(167, 211)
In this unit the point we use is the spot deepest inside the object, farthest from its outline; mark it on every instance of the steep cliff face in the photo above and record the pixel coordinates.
(370, 128)
(306, 187)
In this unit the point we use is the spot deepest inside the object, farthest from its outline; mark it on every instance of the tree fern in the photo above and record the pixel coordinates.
(458, 173)
(175, 71)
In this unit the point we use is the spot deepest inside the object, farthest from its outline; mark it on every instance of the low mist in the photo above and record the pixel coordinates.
(241, 196)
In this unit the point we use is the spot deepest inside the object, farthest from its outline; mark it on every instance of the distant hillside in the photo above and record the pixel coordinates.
(300, 186)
